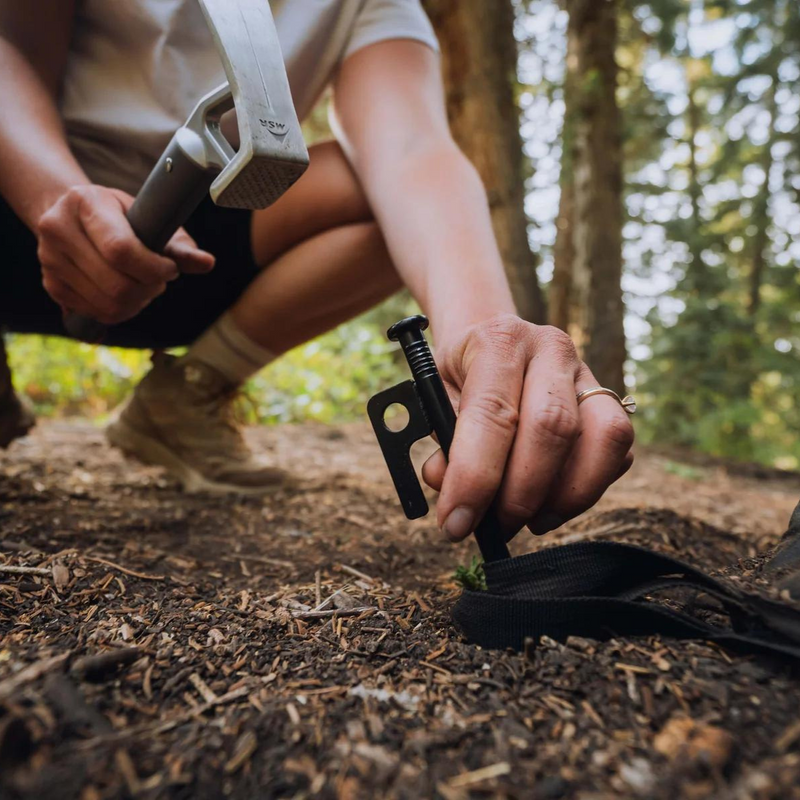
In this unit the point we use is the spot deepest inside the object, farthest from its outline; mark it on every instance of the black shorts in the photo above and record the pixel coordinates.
(189, 305)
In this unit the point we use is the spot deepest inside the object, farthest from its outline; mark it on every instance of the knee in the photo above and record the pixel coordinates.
(338, 190)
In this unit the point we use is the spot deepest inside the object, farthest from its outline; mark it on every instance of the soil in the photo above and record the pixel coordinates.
(159, 645)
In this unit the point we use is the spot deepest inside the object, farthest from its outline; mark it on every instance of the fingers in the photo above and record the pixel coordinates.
(87, 245)
(600, 457)
(65, 297)
(102, 216)
(62, 272)
(433, 470)
(189, 258)
(494, 364)
(548, 431)
(521, 438)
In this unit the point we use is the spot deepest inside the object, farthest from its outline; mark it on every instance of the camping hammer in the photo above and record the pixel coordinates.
(271, 156)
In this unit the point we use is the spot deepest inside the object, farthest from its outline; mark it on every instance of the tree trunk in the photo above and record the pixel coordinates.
(479, 61)
(561, 300)
(561, 296)
(598, 190)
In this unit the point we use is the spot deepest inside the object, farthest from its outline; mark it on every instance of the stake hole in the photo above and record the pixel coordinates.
(396, 417)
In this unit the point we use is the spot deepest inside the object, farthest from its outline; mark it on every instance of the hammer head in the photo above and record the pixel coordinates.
(272, 154)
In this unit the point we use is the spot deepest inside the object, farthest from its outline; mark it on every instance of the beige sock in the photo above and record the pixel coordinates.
(229, 351)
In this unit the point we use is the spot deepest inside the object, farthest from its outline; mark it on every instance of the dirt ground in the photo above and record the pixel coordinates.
(154, 644)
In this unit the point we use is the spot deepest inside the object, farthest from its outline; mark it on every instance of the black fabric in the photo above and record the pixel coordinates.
(597, 590)
(178, 317)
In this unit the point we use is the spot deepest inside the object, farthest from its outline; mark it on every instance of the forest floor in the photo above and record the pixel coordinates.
(160, 645)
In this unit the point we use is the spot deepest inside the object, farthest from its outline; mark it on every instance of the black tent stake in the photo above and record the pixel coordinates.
(429, 411)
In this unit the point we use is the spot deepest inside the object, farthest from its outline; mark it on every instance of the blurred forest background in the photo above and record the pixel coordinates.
(642, 161)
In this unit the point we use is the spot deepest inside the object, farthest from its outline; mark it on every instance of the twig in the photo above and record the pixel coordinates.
(318, 587)
(356, 572)
(327, 600)
(334, 612)
(26, 571)
(263, 560)
(205, 691)
(123, 570)
(97, 667)
(466, 779)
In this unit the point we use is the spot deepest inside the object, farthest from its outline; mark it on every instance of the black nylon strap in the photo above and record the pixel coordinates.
(596, 590)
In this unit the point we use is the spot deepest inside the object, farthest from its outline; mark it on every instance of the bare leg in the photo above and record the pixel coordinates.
(325, 259)
(324, 262)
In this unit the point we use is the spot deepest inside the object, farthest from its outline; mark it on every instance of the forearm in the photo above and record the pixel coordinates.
(433, 211)
(36, 164)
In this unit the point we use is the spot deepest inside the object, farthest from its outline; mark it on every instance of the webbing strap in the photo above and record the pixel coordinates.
(598, 590)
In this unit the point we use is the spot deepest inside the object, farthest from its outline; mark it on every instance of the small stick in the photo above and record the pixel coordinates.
(356, 572)
(328, 599)
(334, 612)
(318, 587)
(264, 560)
(26, 571)
(123, 570)
(98, 667)
(205, 691)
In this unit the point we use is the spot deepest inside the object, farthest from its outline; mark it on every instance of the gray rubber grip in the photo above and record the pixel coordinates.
(171, 193)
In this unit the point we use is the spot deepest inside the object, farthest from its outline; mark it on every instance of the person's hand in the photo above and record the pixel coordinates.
(520, 434)
(93, 263)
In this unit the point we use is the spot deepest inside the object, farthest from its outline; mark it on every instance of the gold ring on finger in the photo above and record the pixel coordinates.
(628, 403)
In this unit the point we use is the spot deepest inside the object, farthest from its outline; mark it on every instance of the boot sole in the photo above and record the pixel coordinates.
(150, 451)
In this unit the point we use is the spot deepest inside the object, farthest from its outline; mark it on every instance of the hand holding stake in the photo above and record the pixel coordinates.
(429, 411)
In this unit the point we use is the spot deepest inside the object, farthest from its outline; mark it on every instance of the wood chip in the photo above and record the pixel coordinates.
(467, 779)
(245, 747)
(203, 689)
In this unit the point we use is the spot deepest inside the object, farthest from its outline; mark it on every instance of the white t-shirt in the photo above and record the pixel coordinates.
(137, 68)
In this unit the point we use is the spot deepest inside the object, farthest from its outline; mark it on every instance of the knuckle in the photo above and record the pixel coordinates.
(77, 193)
(53, 288)
(559, 424)
(560, 343)
(50, 224)
(79, 198)
(503, 333)
(494, 411)
(619, 434)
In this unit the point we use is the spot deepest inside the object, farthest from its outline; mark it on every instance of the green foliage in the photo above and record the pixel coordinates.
(684, 471)
(62, 377)
(327, 380)
(472, 576)
(722, 372)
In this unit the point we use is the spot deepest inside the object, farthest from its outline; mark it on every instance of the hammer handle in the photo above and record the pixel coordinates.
(169, 196)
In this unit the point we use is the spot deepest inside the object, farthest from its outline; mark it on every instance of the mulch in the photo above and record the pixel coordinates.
(154, 644)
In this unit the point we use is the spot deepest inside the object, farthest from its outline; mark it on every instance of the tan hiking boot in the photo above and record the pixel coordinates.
(16, 414)
(181, 417)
